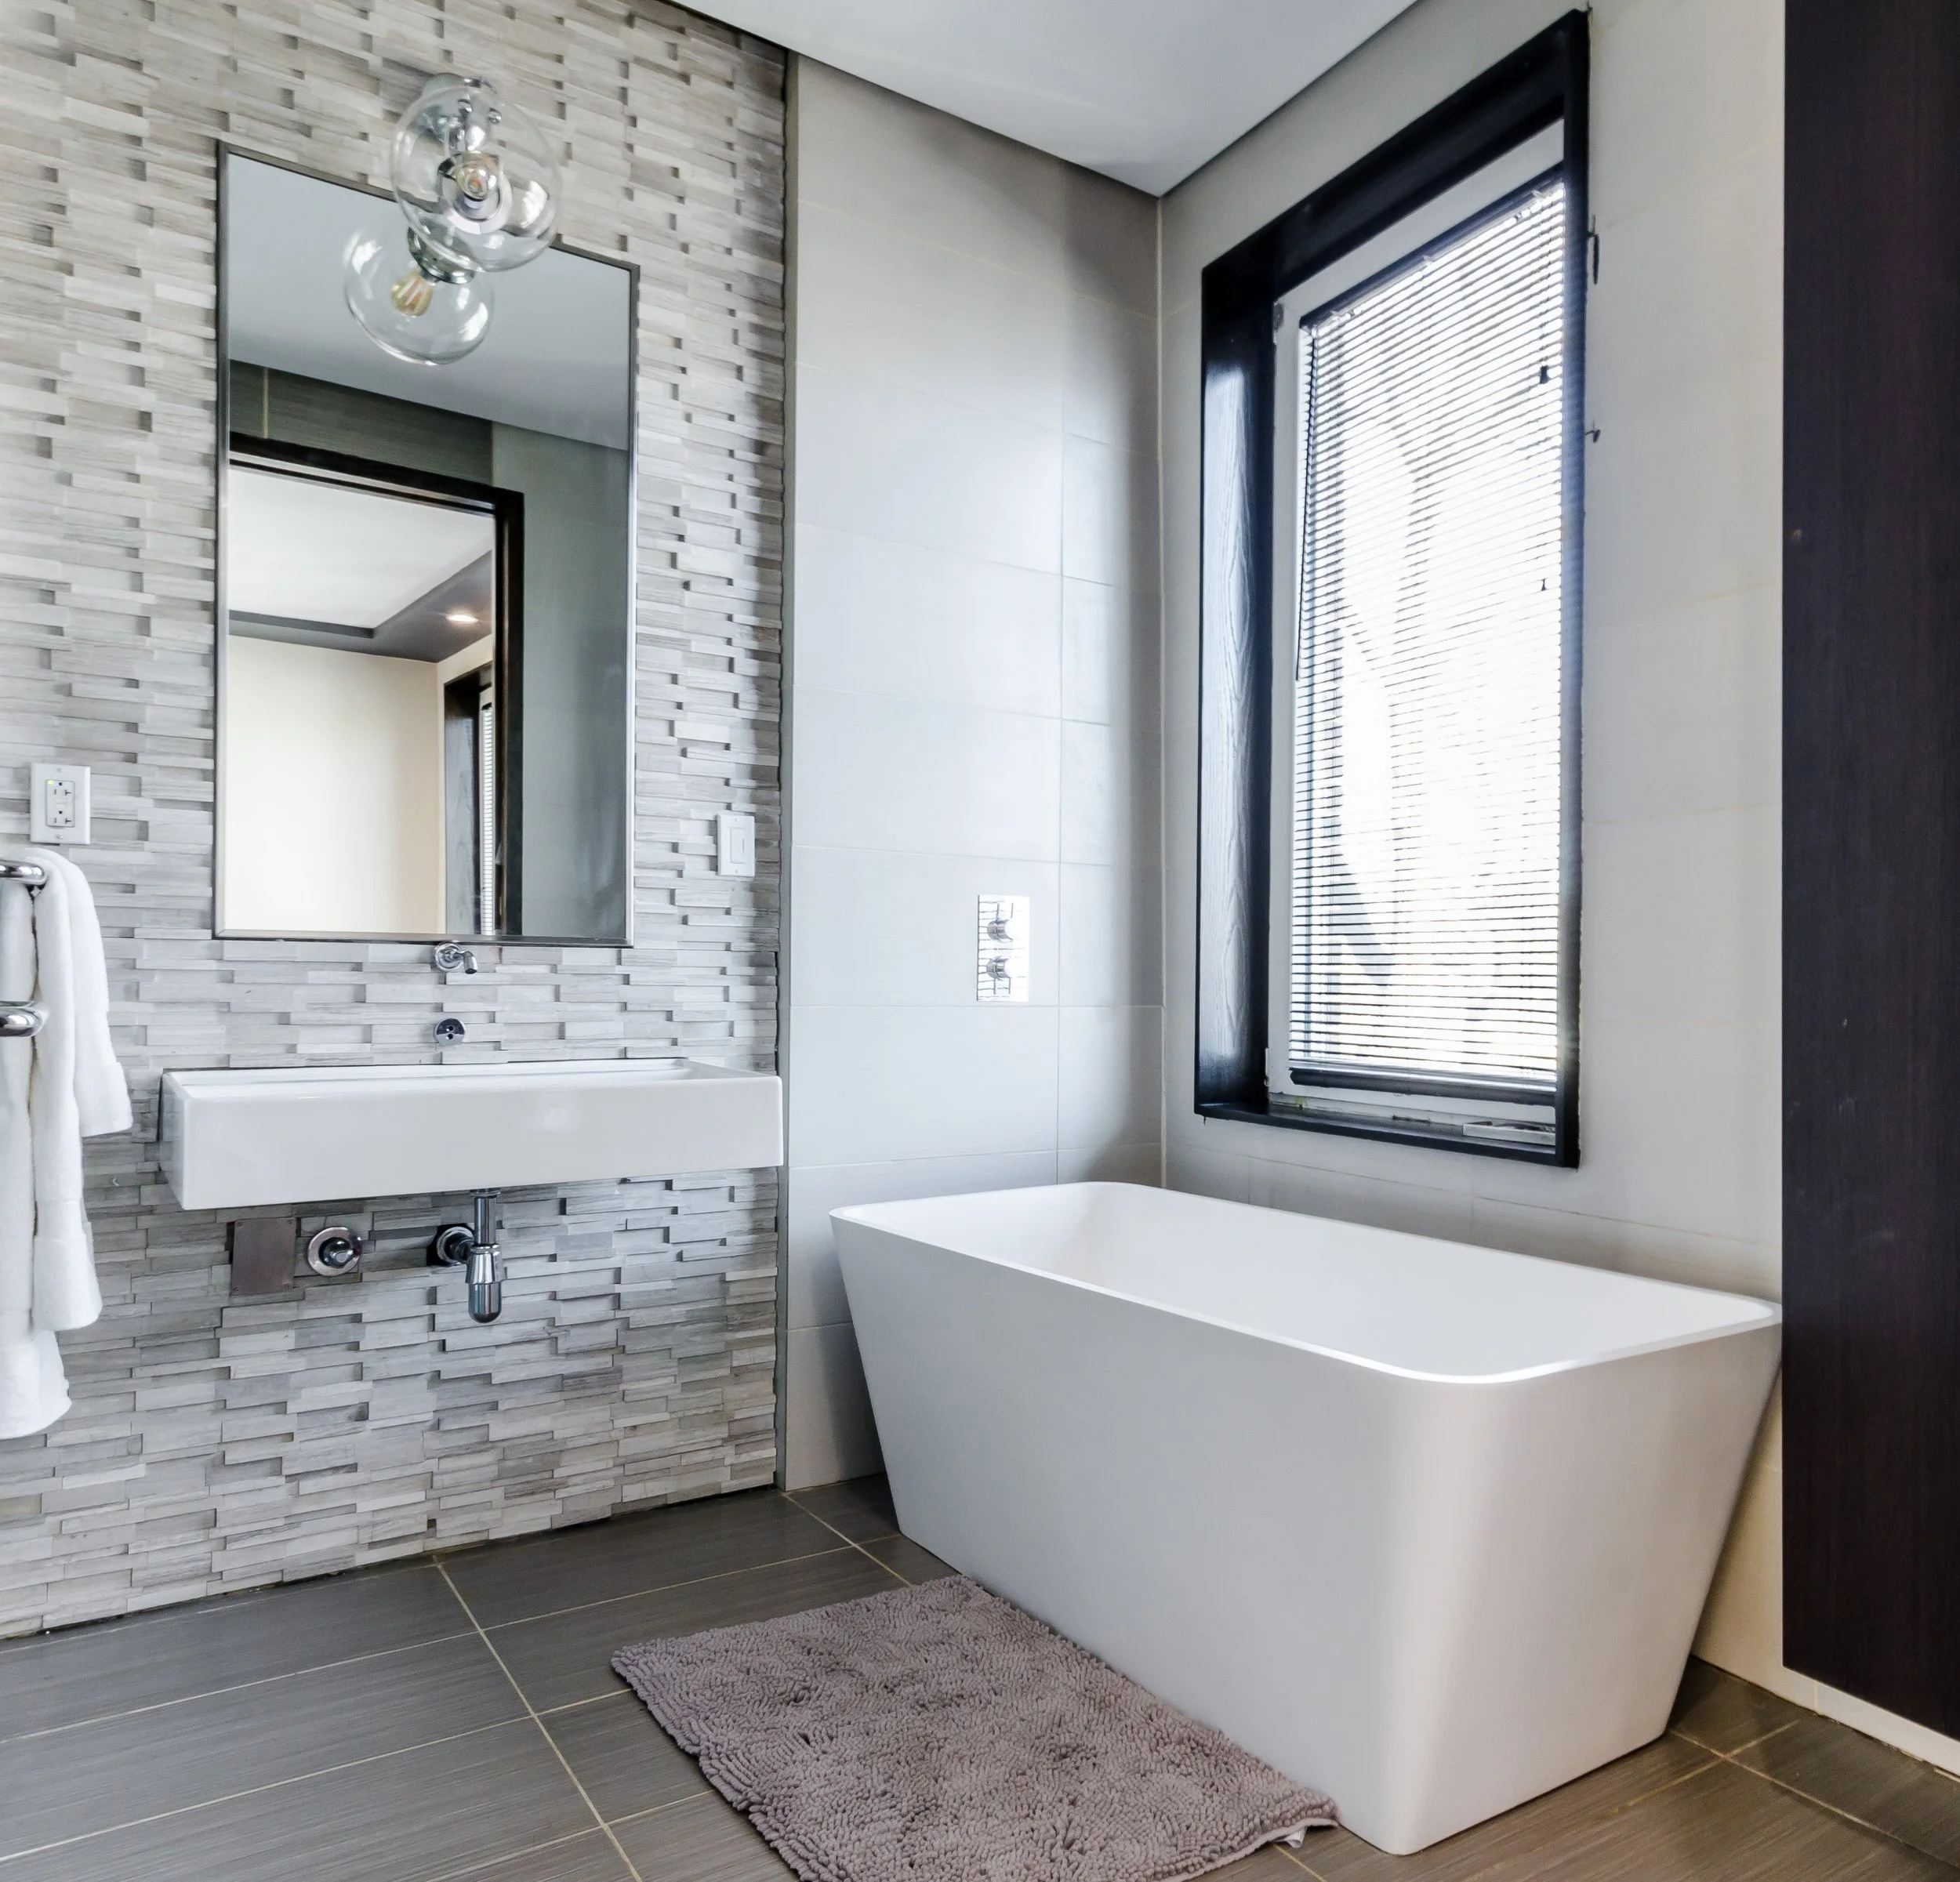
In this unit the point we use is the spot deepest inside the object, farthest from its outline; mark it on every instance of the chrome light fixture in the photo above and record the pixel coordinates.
(478, 191)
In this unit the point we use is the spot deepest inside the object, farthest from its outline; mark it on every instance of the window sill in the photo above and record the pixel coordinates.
(1565, 1158)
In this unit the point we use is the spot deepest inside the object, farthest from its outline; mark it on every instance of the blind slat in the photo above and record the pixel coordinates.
(1428, 714)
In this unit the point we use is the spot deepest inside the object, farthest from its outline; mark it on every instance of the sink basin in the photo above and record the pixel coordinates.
(232, 1139)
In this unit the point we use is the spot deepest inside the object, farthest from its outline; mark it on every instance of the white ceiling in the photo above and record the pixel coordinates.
(1143, 90)
(298, 549)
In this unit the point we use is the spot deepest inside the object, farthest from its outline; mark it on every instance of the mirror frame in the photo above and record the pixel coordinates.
(510, 644)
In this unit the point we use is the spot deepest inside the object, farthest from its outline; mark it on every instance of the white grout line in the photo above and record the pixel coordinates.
(699, 1581)
(788, 1498)
(213, 1693)
(214, 1606)
(544, 1730)
(694, 1797)
(1810, 1797)
(438, 1563)
(253, 1790)
(532, 1849)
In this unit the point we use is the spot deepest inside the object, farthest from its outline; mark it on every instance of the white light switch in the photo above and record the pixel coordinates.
(58, 803)
(1002, 961)
(734, 843)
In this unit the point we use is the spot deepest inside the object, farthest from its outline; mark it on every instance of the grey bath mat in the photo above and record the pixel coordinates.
(937, 1734)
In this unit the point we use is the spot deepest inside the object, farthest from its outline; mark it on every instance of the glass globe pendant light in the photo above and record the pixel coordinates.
(413, 302)
(478, 190)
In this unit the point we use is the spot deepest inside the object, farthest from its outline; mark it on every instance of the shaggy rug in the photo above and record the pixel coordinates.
(938, 1734)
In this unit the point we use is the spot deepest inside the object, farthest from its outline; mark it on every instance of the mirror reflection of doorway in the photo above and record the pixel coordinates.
(362, 737)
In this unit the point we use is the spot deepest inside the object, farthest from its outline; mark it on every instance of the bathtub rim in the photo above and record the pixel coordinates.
(1762, 1315)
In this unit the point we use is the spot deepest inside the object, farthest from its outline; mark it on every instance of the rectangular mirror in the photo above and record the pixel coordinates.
(425, 595)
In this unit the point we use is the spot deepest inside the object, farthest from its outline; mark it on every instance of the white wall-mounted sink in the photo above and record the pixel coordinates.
(232, 1140)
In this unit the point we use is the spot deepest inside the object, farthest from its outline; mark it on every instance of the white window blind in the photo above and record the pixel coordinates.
(1426, 771)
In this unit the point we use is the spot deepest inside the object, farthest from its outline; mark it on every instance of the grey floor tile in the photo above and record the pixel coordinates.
(701, 1841)
(904, 1558)
(1851, 1773)
(860, 1508)
(1272, 1864)
(93, 1672)
(92, 1777)
(565, 1657)
(1725, 1823)
(1496, 1848)
(625, 1762)
(629, 1554)
(1717, 1709)
(591, 1858)
(412, 1818)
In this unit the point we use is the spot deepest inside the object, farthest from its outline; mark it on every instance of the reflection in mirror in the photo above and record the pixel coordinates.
(425, 724)
(360, 702)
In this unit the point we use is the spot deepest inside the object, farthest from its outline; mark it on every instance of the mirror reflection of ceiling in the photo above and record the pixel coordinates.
(554, 361)
(334, 565)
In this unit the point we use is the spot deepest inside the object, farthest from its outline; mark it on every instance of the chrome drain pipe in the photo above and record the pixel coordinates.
(475, 1251)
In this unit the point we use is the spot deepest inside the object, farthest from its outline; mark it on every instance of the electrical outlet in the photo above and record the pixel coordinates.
(58, 803)
(734, 843)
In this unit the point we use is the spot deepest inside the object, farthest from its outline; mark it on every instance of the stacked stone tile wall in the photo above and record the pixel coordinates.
(218, 1443)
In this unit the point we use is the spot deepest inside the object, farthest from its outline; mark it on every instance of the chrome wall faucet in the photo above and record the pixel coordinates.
(450, 955)
(475, 1251)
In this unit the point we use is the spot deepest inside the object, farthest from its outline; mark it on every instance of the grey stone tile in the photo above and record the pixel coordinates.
(1899, 1795)
(627, 1763)
(215, 1440)
(94, 1672)
(908, 1561)
(1494, 1848)
(414, 1816)
(565, 1657)
(860, 1508)
(701, 1841)
(115, 1771)
(630, 1555)
(1717, 1709)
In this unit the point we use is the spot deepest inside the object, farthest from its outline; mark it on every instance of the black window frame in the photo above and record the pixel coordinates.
(1543, 83)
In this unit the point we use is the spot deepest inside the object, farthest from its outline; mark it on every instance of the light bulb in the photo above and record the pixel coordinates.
(426, 308)
(473, 174)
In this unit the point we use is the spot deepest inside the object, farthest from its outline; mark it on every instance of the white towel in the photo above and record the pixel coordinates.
(31, 1397)
(62, 1085)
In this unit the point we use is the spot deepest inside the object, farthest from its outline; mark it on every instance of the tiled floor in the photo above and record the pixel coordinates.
(457, 1718)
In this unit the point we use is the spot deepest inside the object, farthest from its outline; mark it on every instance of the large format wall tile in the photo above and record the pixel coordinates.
(216, 1444)
(975, 713)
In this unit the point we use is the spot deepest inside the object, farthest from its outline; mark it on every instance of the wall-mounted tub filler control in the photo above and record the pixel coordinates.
(58, 803)
(1001, 963)
(449, 1029)
(475, 1251)
(450, 955)
(334, 1251)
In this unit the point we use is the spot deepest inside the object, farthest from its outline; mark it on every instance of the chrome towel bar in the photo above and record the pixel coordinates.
(22, 1019)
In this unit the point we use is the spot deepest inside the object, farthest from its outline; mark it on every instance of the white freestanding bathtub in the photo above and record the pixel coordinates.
(1423, 1525)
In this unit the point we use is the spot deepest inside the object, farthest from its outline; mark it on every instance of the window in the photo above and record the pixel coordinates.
(1406, 856)
(1418, 678)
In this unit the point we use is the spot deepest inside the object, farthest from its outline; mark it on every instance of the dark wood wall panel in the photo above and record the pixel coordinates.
(1871, 852)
